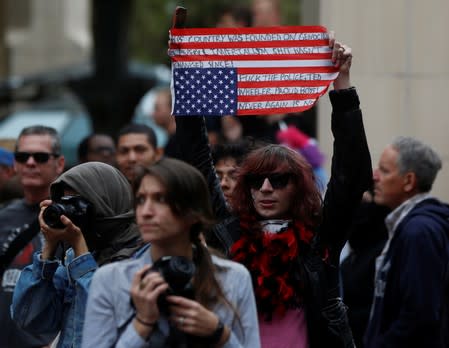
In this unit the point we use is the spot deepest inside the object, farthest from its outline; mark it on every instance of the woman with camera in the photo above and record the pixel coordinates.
(91, 212)
(149, 301)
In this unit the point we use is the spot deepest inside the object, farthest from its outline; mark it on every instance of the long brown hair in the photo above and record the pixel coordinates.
(306, 204)
(187, 195)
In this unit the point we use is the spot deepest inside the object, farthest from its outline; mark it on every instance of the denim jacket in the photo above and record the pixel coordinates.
(51, 297)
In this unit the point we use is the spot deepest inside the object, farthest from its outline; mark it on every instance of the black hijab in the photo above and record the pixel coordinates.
(112, 234)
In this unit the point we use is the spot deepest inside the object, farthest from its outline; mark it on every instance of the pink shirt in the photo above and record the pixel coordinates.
(289, 331)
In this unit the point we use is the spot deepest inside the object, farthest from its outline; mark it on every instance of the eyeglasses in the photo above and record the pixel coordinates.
(277, 180)
(39, 157)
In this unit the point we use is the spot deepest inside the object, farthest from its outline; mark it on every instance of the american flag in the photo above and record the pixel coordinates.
(249, 71)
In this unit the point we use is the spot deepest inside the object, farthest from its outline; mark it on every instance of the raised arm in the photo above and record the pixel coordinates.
(351, 170)
(191, 135)
(40, 297)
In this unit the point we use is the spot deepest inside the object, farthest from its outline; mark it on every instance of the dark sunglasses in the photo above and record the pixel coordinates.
(277, 180)
(39, 157)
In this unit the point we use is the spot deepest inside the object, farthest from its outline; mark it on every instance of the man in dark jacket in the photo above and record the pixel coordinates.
(38, 162)
(411, 296)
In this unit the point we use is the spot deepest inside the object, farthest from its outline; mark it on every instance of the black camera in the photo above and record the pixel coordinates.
(76, 208)
(178, 272)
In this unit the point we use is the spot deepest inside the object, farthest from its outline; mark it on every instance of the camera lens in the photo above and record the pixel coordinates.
(179, 272)
(76, 208)
(52, 215)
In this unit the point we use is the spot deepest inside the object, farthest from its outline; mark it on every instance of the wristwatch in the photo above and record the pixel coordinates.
(216, 335)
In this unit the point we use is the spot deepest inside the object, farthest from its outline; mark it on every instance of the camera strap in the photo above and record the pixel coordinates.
(17, 239)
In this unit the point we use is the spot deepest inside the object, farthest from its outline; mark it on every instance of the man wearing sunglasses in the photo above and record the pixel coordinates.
(37, 162)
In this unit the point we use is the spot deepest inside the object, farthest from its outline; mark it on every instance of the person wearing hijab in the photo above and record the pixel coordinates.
(91, 212)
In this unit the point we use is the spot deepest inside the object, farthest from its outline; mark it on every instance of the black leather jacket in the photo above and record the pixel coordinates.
(351, 175)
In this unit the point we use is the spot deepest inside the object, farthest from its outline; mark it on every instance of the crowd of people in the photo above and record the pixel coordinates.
(220, 239)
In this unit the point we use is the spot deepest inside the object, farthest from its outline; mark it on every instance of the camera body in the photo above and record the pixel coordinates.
(178, 272)
(76, 208)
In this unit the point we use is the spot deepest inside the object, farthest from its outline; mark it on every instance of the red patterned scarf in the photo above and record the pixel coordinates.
(271, 259)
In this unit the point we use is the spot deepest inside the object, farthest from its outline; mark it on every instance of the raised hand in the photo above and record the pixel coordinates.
(342, 59)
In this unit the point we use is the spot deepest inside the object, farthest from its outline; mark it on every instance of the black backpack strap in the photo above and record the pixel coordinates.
(17, 239)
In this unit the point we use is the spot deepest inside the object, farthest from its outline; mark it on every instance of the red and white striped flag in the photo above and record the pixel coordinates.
(249, 71)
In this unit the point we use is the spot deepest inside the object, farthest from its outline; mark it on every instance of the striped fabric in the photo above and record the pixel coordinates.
(249, 71)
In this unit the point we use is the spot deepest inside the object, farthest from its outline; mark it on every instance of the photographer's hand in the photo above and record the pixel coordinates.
(193, 318)
(144, 294)
(70, 234)
(51, 240)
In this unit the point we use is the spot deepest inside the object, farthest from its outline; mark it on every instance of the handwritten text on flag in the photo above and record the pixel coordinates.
(249, 71)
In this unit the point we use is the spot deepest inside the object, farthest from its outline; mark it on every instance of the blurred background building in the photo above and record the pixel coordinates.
(39, 35)
(401, 71)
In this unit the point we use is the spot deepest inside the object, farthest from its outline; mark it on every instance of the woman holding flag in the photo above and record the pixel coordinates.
(282, 231)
